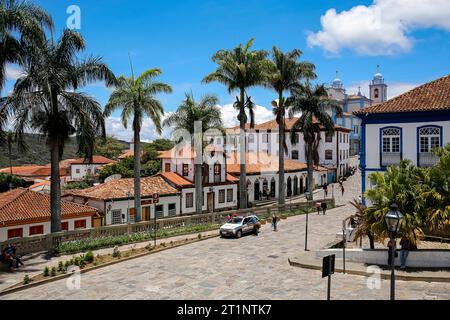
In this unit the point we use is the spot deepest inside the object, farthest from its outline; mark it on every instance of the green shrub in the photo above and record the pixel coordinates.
(116, 252)
(26, 279)
(53, 272)
(60, 266)
(46, 272)
(89, 257)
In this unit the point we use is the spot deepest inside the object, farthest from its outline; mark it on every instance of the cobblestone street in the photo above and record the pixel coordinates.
(253, 267)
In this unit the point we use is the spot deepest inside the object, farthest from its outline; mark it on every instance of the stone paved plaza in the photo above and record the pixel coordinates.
(253, 267)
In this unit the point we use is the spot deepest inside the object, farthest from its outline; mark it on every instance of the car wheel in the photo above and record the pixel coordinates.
(239, 234)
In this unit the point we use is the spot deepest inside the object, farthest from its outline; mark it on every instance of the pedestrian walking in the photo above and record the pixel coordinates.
(325, 189)
(318, 207)
(342, 189)
(405, 246)
(274, 221)
(323, 205)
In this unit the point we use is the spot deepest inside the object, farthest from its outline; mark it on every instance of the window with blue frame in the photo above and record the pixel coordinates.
(429, 138)
(390, 146)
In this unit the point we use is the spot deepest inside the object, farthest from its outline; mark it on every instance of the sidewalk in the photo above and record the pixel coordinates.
(308, 260)
(36, 262)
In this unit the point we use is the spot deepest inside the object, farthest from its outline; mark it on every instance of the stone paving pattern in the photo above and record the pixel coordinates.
(253, 267)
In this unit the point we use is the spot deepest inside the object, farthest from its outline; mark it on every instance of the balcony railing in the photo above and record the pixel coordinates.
(427, 159)
(390, 158)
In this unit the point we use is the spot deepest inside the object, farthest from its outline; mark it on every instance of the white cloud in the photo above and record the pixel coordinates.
(115, 128)
(394, 89)
(13, 73)
(229, 115)
(379, 29)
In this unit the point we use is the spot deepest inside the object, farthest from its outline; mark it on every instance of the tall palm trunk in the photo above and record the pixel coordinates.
(55, 187)
(10, 157)
(198, 188)
(242, 147)
(55, 183)
(281, 138)
(198, 166)
(137, 169)
(310, 168)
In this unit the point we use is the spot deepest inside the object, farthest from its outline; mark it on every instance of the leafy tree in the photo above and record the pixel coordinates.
(110, 147)
(185, 117)
(311, 102)
(125, 168)
(285, 74)
(46, 100)
(136, 98)
(8, 181)
(240, 69)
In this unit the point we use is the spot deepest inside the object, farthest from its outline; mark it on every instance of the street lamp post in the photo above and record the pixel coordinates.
(306, 226)
(393, 221)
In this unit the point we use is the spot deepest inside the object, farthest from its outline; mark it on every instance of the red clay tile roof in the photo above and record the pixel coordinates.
(273, 125)
(95, 160)
(124, 189)
(261, 162)
(232, 178)
(432, 96)
(22, 206)
(177, 179)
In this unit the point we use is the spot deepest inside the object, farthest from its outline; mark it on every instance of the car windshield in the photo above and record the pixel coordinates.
(236, 220)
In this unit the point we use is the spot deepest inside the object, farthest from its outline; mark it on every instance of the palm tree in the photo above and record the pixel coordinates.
(136, 98)
(46, 100)
(403, 185)
(312, 103)
(24, 18)
(185, 117)
(240, 69)
(21, 22)
(10, 139)
(285, 74)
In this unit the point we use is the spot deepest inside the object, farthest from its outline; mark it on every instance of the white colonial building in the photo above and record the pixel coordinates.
(114, 200)
(409, 126)
(334, 149)
(219, 188)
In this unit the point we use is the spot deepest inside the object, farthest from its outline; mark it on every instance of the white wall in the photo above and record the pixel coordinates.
(206, 190)
(83, 170)
(26, 227)
(409, 140)
(123, 206)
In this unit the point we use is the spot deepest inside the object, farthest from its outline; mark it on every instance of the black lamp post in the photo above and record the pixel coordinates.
(393, 221)
(306, 226)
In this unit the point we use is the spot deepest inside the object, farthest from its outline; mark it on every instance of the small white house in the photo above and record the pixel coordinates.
(25, 213)
(409, 126)
(81, 169)
(114, 200)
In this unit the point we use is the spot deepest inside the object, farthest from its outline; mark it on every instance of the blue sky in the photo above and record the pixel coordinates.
(180, 37)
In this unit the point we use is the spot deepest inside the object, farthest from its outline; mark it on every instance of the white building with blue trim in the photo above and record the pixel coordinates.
(408, 126)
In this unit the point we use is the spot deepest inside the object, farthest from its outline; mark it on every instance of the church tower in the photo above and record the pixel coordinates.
(378, 89)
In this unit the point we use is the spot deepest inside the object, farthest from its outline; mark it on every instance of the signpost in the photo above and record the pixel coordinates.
(328, 270)
(155, 201)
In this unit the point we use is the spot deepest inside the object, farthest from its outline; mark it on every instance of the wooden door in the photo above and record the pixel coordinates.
(210, 205)
(167, 167)
(145, 213)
